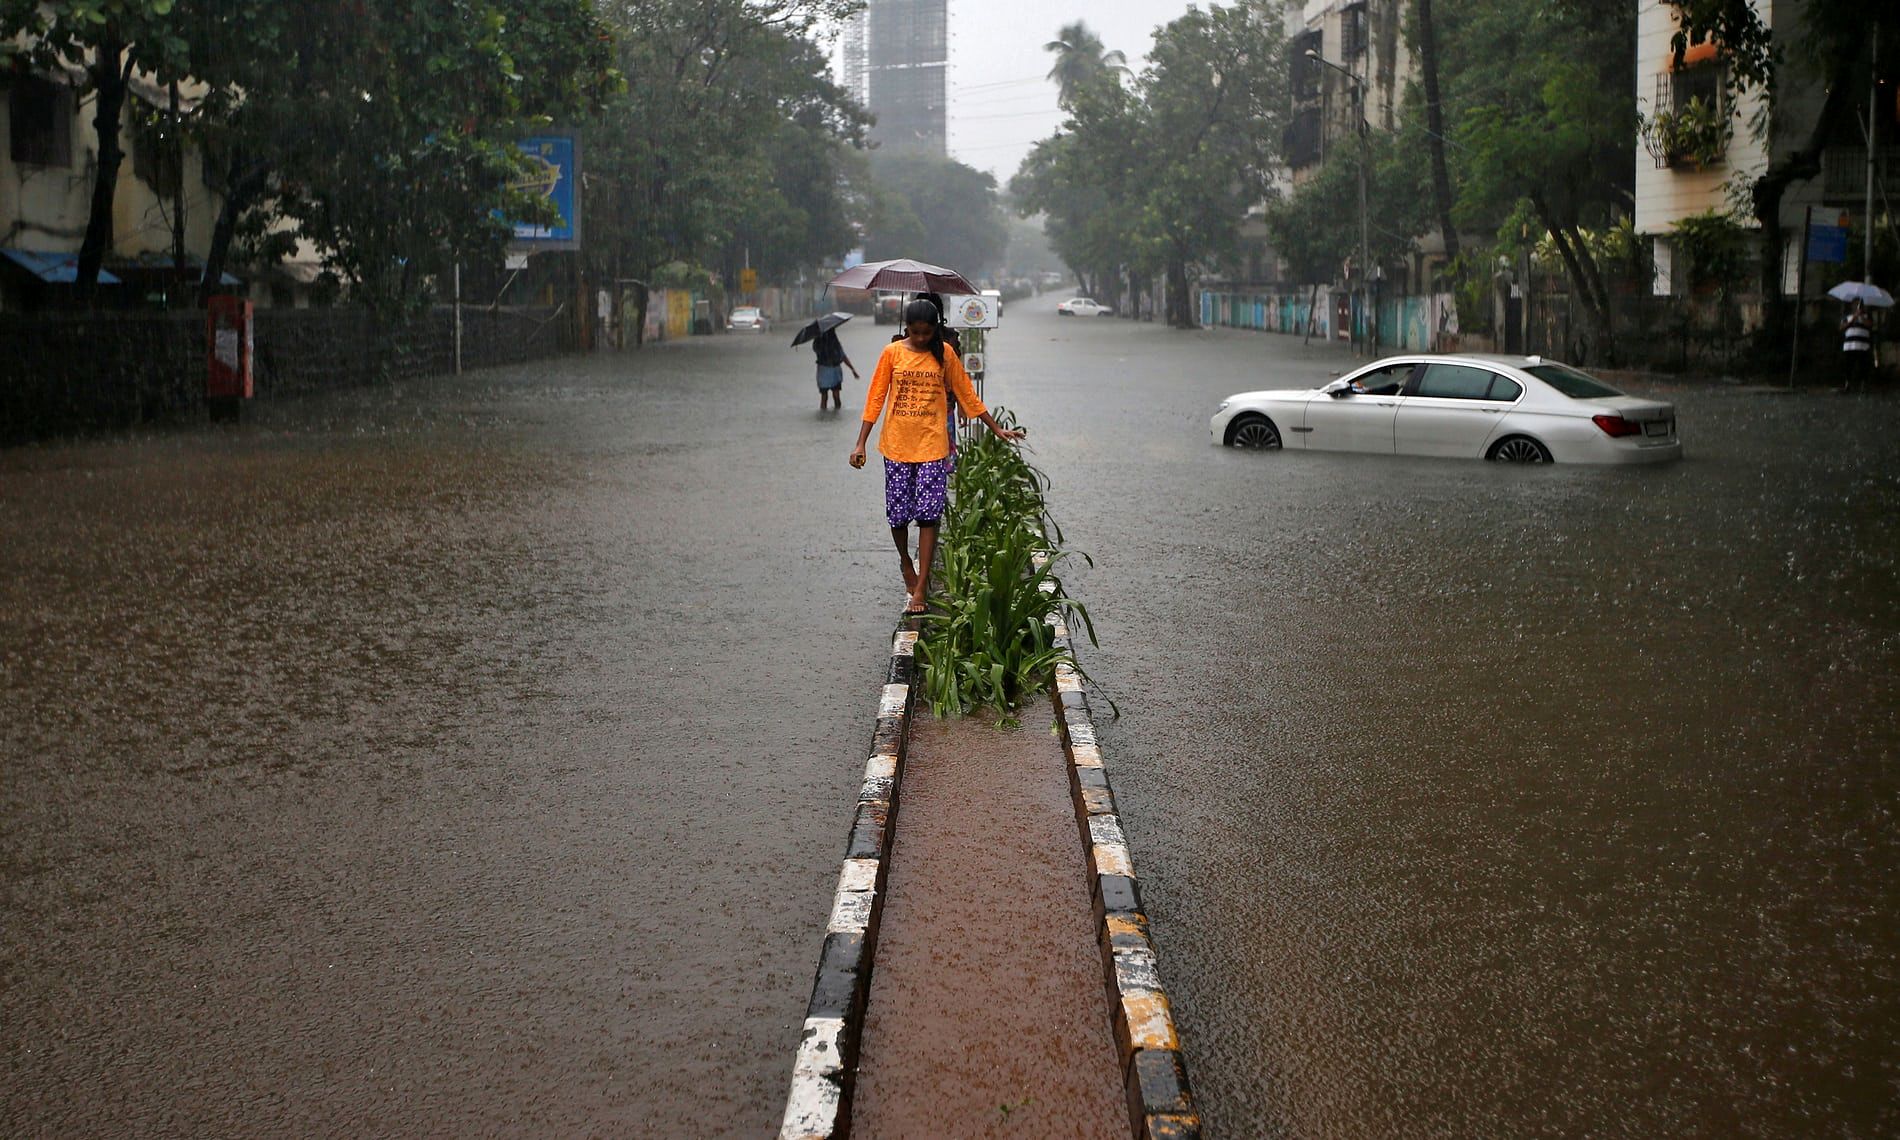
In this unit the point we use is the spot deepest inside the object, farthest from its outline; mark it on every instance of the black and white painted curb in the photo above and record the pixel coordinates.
(819, 1107)
(1160, 1105)
(1153, 1073)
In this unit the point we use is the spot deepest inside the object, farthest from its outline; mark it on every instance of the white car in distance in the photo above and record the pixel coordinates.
(1083, 307)
(1511, 409)
(748, 317)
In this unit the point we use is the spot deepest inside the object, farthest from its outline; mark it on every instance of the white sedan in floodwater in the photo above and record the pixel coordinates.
(1512, 409)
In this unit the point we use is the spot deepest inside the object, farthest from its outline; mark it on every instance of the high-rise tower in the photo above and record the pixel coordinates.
(906, 53)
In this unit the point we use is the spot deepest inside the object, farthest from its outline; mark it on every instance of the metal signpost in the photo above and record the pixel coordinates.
(972, 315)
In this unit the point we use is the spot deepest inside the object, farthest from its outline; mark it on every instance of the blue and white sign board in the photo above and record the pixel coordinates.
(556, 175)
(1827, 243)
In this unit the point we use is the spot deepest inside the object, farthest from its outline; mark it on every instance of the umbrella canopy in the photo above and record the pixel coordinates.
(820, 327)
(1861, 291)
(905, 274)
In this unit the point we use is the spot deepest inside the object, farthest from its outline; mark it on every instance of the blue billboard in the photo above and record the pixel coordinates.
(1827, 243)
(555, 175)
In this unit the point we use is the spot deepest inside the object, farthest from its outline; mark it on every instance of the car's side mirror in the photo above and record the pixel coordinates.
(1338, 389)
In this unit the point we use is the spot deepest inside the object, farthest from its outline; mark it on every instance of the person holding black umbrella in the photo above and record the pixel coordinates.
(832, 361)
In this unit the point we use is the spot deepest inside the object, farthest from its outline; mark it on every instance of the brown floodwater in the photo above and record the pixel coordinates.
(1472, 801)
(988, 1013)
(460, 758)
(476, 757)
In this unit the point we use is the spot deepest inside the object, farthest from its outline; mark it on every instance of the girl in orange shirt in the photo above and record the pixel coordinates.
(918, 374)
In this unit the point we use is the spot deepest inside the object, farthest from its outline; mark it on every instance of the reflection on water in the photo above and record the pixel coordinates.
(1481, 801)
(357, 774)
(375, 769)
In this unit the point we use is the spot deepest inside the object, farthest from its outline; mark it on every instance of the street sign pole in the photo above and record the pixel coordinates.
(1800, 289)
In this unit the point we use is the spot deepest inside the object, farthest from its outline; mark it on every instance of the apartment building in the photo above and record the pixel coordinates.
(1699, 152)
(1364, 42)
(47, 168)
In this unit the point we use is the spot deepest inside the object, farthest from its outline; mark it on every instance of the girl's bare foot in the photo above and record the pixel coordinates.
(916, 604)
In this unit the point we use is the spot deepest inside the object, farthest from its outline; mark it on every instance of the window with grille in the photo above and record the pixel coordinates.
(1352, 30)
(1303, 138)
(1303, 70)
(40, 117)
(1689, 121)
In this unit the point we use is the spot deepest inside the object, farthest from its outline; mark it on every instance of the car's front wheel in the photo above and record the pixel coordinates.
(1253, 431)
(1519, 449)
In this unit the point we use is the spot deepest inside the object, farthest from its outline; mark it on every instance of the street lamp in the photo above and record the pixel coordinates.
(1365, 161)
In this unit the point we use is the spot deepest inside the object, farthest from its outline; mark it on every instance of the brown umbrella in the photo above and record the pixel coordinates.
(905, 274)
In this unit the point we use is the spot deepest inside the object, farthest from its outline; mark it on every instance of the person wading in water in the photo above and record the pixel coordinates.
(918, 374)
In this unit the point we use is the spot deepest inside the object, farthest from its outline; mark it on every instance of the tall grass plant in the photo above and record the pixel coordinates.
(990, 640)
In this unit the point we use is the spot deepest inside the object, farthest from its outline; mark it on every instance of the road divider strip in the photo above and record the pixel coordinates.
(1154, 1076)
(824, 1071)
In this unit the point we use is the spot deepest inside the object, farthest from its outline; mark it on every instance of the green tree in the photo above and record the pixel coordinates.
(1214, 107)
(1082, 62)
(1539, 93)
(110, 39)
(1083, 183)
(1159, 179)
(1316, 231)
(937, 210)
(386, 130)
(729, 134)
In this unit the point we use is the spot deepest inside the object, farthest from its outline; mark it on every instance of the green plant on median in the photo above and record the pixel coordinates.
(990, 641)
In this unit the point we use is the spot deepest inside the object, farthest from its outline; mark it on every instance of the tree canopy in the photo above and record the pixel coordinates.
(1160, 179)
(384, 132)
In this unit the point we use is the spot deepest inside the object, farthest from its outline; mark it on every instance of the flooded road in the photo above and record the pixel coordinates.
(476, 757)
(1481, 801)
(464, 758)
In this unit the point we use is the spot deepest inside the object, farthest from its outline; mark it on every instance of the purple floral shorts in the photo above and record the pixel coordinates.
(915, 492)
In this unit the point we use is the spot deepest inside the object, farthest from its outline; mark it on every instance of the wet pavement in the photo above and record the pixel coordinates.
(988, 1015)
(462, 758)
(476, 756)
(1483, 801)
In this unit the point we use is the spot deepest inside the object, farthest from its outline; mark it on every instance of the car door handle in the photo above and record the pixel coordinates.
(1387, 404)
(1492, 411)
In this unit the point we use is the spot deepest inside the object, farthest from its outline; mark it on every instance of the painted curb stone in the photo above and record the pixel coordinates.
(818, 1106)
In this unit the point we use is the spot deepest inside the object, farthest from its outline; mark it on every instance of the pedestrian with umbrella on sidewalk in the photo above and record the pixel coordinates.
(1857, 330)
(832, 361)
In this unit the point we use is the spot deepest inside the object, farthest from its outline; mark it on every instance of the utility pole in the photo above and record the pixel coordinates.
(1365, 245)
(1867, 216)
(1365, 163)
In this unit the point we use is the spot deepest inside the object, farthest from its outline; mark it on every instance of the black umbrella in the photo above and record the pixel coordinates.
(820, 327)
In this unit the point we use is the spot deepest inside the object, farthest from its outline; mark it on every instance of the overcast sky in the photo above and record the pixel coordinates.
(1000, 101)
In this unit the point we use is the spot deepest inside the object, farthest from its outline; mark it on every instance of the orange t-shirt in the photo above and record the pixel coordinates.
(917, 429)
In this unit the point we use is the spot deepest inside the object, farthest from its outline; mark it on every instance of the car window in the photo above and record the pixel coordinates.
(1384, 381)
(1505, 388)
(1455, 381)
(1567, 380)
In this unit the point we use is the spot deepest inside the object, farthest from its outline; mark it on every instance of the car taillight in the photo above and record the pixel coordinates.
(1617, 426)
